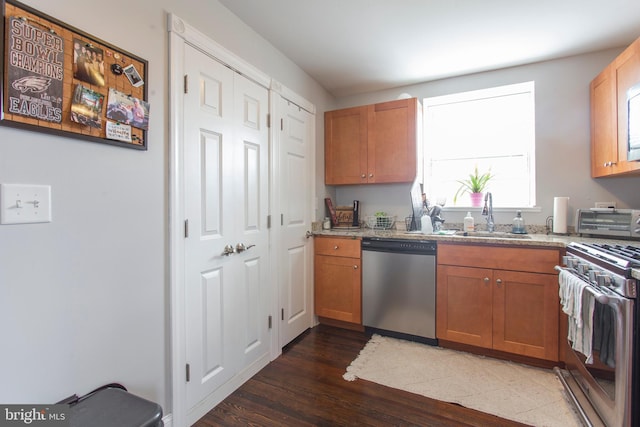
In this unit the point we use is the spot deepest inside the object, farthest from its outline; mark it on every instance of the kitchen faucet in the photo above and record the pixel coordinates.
(488, 211)
(436, 217)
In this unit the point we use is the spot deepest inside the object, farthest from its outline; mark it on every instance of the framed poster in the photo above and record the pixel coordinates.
(57, 79)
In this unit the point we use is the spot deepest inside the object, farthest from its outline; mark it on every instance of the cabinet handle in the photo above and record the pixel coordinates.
(363, 176)
(355, 267)
(499, 282)
(370, 175)
(486, 280)
(335, 248)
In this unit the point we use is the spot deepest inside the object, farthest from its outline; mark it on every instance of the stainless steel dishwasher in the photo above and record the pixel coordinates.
(399, 287)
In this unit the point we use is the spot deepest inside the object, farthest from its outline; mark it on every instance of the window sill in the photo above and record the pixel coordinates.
(534, 209)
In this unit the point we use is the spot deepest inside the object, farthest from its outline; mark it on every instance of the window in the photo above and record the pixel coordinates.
(493, 129)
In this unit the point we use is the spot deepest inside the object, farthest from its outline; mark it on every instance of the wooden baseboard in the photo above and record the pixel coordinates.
(341, 324)
(540, 363)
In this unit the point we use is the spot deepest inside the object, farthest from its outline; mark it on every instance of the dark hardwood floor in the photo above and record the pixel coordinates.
(304, 387)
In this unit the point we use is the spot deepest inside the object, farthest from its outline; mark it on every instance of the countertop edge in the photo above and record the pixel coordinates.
(548, 240)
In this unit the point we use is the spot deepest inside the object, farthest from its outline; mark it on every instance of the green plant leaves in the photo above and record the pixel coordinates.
(475, 184)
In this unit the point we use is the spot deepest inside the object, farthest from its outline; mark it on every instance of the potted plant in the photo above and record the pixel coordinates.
(475, 185)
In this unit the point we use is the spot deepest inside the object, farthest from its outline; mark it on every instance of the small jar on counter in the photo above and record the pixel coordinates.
(326, 224)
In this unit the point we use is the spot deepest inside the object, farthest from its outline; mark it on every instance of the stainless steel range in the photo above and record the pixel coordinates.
(598, 291)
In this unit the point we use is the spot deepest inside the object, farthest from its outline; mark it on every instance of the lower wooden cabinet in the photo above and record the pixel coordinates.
(338, 279)
(499, 308)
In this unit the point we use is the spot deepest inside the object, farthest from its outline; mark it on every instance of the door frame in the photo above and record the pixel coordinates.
(181, 34)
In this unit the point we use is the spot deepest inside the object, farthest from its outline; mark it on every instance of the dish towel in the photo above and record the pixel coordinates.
(584, 337)
(572, 298)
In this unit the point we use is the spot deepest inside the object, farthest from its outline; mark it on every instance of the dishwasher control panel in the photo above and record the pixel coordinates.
(382, 244)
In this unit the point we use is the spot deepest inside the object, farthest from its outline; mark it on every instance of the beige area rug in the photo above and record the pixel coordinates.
(517, 392)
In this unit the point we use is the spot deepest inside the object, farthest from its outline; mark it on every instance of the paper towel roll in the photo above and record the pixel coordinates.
(560, 208)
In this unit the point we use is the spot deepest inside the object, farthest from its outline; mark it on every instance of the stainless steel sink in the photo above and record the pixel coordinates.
(495, 235)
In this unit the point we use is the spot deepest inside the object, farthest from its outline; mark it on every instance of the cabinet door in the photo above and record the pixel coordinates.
(345, 135)
(338, 293)
(604, 123)
(392, 142)
(464, 300)
(525, 314)
(627, 75)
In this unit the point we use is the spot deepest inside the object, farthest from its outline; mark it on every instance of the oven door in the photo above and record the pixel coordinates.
(606, 378)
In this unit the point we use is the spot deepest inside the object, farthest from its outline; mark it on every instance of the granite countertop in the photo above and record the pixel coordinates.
(496, 238)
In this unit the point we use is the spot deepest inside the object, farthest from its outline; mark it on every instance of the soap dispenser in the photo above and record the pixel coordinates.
(468, 223)
(518, 224)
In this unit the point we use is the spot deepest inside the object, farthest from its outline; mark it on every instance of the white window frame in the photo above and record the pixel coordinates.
(528, 145)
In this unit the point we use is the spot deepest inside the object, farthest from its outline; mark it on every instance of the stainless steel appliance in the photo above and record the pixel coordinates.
(609, 222)
(605, 386)
(399, 287)
(633, 122)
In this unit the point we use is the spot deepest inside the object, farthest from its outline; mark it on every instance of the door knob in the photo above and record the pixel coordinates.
(228, 250)
(240, 247)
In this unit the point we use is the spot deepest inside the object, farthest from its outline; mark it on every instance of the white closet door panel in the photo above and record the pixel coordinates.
(252, 180)
(254, 323)
(295, 250)
(211, 183)
(252, 202)
(212, 300)
(296, 295)
(209, 275)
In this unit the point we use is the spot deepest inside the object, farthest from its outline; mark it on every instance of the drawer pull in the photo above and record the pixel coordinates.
(355, 267)
(499, 282)
(335, 247)
(486, 280)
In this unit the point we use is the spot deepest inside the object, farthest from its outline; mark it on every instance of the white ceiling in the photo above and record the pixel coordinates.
(355, 46)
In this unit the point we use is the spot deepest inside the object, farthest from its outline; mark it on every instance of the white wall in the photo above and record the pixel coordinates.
(562, 138)
(84, 299)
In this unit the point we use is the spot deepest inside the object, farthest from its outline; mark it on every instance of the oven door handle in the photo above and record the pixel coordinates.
(602, 298)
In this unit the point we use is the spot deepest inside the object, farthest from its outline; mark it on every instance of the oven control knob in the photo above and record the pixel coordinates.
(583, 268)
(603, 279)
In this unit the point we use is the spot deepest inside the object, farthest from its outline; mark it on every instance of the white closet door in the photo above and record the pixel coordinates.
(225, 203)
(296, 195)
(251, 201)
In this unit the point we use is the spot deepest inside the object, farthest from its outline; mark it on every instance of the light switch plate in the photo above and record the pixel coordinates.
(24, 204)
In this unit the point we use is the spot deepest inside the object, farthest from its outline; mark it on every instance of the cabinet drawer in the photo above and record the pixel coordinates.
(534, 260)
(335, 246)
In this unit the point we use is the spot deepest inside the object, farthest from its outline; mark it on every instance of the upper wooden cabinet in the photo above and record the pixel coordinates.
(609, 132)
(372, 144)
